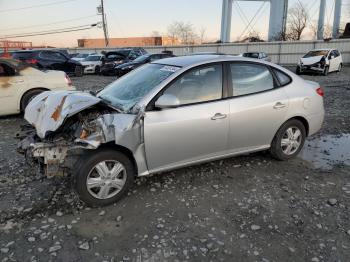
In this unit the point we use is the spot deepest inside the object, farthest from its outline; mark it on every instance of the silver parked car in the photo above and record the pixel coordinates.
(168, 114)
(257, 55)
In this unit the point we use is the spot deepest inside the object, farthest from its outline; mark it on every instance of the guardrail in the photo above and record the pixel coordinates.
(285, 53)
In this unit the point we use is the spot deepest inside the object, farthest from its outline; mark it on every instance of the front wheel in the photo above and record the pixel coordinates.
(103, 177)
(97, 70)
(289, 140)
(326, 71)
(298, 70)
(339, 67)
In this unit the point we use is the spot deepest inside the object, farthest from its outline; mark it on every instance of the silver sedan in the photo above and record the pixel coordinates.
(168, 114)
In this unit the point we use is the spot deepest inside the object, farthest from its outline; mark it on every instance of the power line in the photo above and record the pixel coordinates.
(53, 23)
(35, 6)
(48, 32)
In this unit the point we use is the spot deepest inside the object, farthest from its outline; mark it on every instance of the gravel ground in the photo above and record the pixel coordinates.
(248, 208)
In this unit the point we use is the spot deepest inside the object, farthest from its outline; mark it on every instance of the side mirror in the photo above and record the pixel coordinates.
(332, 56)
(167, 101)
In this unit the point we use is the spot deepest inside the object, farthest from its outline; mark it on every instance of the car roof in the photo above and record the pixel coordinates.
(184, 61)
(323, 49)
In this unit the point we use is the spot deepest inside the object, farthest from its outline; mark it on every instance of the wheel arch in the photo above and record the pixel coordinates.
(303, 120)
(127, 152)
(19, 103)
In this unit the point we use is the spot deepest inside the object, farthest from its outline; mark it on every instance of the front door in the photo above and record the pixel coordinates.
(197, 129)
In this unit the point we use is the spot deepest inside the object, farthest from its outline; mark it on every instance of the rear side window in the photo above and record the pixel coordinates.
(283, 78)
(250, 78)
(23, 55)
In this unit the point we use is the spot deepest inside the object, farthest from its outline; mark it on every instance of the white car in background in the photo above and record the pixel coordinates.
(321, 61)
(92, 64)
(82, 57)
(20, 83)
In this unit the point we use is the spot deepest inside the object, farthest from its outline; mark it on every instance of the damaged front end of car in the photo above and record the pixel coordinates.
(65, 125)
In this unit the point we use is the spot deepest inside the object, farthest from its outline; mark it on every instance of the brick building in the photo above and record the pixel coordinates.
(128, 41)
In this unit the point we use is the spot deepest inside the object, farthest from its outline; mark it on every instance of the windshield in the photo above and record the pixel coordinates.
(125, 92)
(93, 58)
(141, 59)
(316, 53)
(82, 55)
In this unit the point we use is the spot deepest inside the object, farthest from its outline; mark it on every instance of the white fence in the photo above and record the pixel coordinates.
(285, 53)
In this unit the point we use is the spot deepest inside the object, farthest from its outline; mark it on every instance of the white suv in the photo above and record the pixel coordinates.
(321, 61)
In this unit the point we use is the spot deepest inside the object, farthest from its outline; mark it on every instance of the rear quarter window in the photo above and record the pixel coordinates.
(282, 78)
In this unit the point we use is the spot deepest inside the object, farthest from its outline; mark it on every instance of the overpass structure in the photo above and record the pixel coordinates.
(278, 18)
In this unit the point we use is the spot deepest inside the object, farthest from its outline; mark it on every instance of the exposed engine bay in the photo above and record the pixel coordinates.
(55, 148)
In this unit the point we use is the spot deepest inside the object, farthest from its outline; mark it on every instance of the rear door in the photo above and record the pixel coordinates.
(195, 130)
(257, 107)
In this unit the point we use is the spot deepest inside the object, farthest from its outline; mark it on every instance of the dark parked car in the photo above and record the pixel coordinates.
(118, 57)
(127, 67)
(50, 59)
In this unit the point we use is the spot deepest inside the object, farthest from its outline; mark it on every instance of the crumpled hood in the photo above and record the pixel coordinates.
(311, 60)
(47, 111)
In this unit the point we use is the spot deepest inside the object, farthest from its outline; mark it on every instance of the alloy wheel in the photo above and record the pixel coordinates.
(106, 179)
(291, 140)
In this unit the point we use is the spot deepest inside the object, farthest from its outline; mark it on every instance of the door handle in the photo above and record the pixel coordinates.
(279, 105)
(218, 116)
(17, 81)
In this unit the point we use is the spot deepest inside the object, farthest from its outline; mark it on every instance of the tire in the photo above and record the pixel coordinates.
(278, 150)
(79, 71)
(27, 97)
(326, 71)
(339, 68)
(97, 70)
(297, 71)
(99, 194)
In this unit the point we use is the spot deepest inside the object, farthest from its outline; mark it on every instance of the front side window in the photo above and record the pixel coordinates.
(250, 78)
(125, 92)
(198, 85)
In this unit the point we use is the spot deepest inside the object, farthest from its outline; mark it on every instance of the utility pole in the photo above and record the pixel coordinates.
(101, 11)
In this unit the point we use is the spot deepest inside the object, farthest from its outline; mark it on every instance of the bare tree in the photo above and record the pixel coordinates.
(155, 33)
(183, 32)
(296, 22)
(202, 34)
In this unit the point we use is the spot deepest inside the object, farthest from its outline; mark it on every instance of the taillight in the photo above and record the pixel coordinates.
(68, 81)
(31, 61)
(320, 91)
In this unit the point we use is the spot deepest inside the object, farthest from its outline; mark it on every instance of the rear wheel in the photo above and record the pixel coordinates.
(104, 177)
(288, 140)
(79, 71)
(27, 97)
